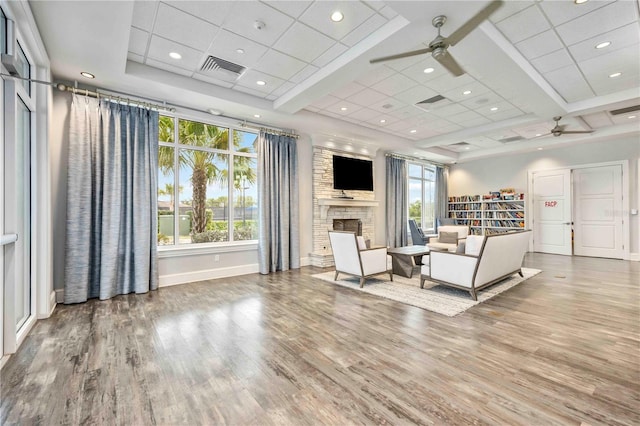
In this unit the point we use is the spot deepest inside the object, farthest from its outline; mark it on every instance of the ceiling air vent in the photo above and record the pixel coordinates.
(511, 139)
(435, 102)
(625, 110)
(432, 100)
(461, 144)
(219, 68)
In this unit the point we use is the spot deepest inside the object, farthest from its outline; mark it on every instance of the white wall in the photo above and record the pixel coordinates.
(482, 176)
(172, 270)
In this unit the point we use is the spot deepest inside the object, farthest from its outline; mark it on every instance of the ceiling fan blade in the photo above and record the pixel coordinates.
(575, 132)
(472, 23)
(401, 55)
(449, 63)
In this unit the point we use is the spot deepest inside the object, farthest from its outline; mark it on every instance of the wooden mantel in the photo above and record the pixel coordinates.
(326, 203)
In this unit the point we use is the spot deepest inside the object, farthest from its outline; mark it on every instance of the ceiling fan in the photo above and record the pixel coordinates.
(559, 130)
(438, 47)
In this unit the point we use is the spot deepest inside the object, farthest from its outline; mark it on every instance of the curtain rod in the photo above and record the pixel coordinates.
(167, 107)
(407, 157)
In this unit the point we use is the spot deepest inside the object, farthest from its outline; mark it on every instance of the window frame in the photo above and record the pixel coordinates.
(422, 180)
(177, 249)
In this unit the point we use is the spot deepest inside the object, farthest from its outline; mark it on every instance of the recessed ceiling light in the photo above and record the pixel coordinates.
(580, 1)
(175, 55)
(241, 51)
(466, 147)
(539, 149)
(494, 109)
(337, 16)
(412, 131)
(214, 111)
(466, 92)
(256, 115)
(538, 134)
(603, 44)
(428, 70)
(260, 83)
(631, 116)
(615, 74)
(87, 74)
(384, 121)
(343, 109)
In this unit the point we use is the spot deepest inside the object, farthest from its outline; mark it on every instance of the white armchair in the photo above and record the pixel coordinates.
(436, 243)
(355, 259)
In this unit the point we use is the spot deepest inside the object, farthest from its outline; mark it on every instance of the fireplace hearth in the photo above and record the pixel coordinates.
(352, 225)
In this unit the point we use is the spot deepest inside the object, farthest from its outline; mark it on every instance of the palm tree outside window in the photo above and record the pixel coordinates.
(209, 206)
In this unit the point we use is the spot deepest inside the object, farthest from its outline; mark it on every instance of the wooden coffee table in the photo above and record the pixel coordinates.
(402, 259)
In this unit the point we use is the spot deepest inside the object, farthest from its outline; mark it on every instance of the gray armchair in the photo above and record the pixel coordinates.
(417, 236)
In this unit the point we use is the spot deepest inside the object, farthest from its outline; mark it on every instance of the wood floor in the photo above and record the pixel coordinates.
(561, 348)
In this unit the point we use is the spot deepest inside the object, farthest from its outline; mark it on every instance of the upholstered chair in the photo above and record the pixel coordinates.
(353, 258)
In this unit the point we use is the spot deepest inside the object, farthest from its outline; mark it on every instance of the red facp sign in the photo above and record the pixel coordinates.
(550, 203)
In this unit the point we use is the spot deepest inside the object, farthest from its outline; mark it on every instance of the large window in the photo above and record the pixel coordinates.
(422, 195)
(207, 189)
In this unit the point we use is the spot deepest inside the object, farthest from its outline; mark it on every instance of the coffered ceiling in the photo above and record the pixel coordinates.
(530, 61)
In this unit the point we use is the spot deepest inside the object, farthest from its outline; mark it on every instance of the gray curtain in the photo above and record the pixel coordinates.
(442, 197)
(111, 200)
(278, 221)
(397, 202)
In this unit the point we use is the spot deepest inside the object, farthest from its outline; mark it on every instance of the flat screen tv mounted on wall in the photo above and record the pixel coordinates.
(352, 174)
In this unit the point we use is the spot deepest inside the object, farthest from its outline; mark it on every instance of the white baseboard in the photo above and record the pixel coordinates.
(53, 301)
(635, 257)
(305, 261)
(59, 295)
(3, 360)
(209, 274)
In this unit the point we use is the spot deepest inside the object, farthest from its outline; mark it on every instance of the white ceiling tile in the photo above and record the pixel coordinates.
(375, 74)
(598, 120)
(303, 42)
(626, 61)
(633, 117)
(560, 12)
(523, 24)
(244, 14)
(406, 113)
(569, 83)
(319, 13)
(311, 108)
(271, 97)
(330, 114)
(416, 71)
(393, 85)
(399, 126)
(249, 78)
(476, 122)
(415, 95)
(508, 8)
(449, 110)
(226, 43)
(306, 72)
(552, 61)
(483, 142)
(502, 107)
(279, 65)
(168, 67)
(138, 41)
(457, 94)
(325, 102)
(447, 82)
(291, 8)
(135, 58)
(286, 86)
(387, 105)
(364, 114)
(388, 119)
(504, 115)
(348, 90)
(250, 91)
(367, 28)
(374, 4)
(388, 12)
(619, 38)
(176, 25)
(600, 21)
(159, 49)
(463, 117)
(337, 108)
(483, 101)
(211, 11)
(367, 97)
(212, 80)
(143, 14)
(330, 54)
(540, 44)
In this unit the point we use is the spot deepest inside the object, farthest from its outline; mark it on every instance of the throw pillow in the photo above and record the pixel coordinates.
(448, 238)
(461, 247)
(473, 244)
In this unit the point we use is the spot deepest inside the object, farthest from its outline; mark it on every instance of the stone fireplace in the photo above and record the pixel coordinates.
(331, 213)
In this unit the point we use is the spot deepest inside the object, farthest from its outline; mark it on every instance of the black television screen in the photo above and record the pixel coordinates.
(352, 173)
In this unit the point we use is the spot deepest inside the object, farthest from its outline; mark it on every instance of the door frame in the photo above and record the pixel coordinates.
(626, 237)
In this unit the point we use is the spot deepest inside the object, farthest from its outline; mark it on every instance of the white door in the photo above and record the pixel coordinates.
(598, 211)
(552, 211)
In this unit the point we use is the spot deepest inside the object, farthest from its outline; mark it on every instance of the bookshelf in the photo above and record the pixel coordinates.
(484, 216)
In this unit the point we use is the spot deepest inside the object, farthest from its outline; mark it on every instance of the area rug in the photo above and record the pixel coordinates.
(441, 299)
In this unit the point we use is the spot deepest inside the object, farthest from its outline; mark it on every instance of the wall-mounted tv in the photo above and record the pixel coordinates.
(352, 174)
